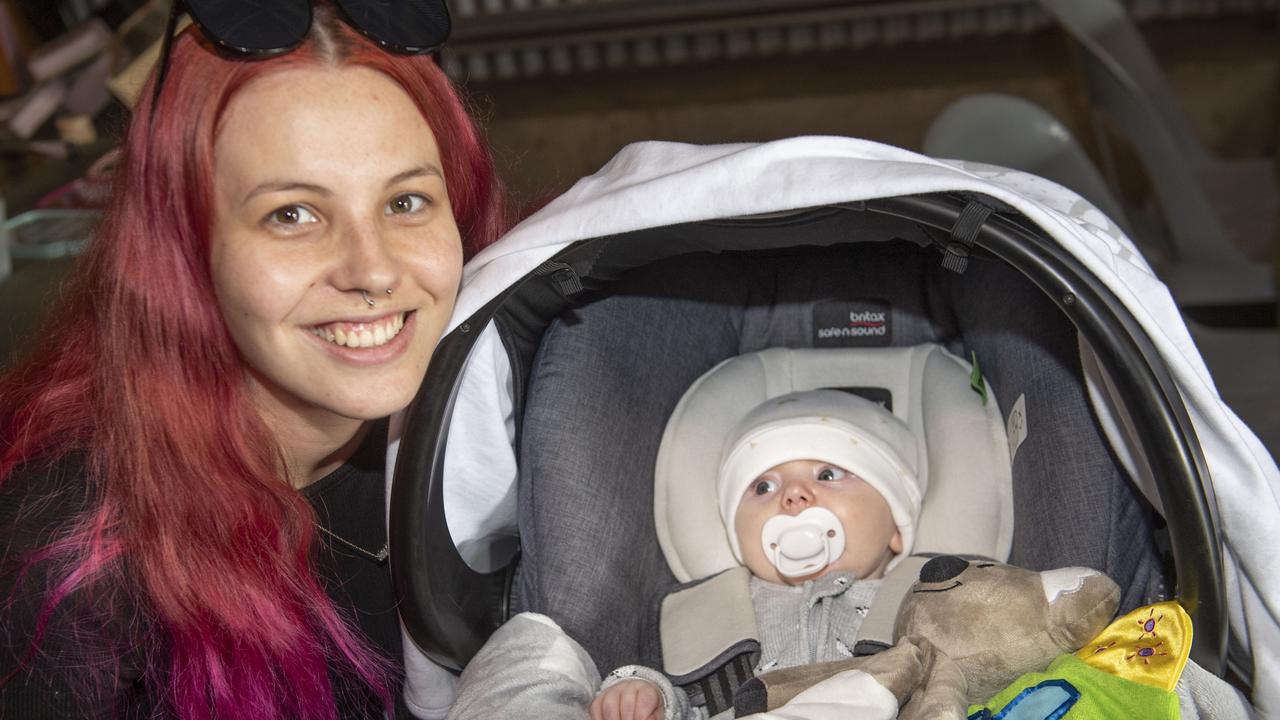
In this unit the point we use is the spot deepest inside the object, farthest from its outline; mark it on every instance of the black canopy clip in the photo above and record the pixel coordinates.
(955, 254)
(563, 275)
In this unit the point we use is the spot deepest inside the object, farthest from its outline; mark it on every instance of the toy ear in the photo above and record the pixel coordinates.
(1081, 603)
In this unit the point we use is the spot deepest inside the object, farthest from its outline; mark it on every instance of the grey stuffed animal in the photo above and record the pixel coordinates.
(966, 630)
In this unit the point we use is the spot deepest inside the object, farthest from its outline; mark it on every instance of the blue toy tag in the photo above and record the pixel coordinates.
(1049, 700)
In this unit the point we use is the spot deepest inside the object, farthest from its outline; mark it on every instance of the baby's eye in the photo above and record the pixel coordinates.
(291, 215)
(830, 473)
(764, 487)
(406, 203)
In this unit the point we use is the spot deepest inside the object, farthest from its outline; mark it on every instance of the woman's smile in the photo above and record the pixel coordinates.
(363, 333)
(368, 342)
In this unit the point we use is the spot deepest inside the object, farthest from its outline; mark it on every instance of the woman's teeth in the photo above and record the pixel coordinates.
(361, 335)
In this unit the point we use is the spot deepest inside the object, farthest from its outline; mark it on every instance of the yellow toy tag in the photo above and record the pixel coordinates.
(1149, 645)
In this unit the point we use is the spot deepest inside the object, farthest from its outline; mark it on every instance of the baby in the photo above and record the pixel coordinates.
(819, 497)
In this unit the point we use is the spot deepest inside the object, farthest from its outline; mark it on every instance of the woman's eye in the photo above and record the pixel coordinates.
(291, 215)
(831, 473)
(764, 487)
(406, 203)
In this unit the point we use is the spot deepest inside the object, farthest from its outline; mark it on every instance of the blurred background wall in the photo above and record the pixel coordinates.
(562, 84)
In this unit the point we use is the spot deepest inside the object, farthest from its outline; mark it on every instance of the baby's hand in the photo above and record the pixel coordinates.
(628, 700)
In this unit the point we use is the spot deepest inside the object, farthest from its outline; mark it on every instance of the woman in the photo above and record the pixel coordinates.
(191, 495)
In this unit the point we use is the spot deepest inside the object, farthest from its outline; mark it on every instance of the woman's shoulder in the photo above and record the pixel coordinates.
(41, 499)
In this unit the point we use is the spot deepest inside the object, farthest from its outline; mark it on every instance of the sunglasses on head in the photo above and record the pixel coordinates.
(262, 28)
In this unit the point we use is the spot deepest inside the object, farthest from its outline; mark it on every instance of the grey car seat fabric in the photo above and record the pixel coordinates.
(1072, 504)
(610, 371)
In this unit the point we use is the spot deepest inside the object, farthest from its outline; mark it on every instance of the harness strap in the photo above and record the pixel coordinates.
(717, 690)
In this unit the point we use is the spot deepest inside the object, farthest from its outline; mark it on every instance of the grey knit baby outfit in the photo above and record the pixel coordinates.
(813, 622)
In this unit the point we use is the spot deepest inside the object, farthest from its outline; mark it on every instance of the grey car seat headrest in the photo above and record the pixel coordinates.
(968, 504)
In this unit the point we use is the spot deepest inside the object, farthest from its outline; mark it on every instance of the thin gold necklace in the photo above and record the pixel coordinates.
(378, 557)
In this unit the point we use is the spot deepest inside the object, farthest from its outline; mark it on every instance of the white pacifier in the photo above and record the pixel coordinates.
(803, 544)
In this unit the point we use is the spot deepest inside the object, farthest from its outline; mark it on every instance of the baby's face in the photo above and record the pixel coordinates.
(871, 536)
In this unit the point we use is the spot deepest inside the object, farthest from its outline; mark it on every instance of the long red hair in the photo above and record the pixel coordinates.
(139, 374)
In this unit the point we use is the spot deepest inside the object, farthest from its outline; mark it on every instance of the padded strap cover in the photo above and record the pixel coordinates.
(706, 625)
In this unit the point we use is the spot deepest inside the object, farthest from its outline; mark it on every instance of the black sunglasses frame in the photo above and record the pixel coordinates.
(230, 48)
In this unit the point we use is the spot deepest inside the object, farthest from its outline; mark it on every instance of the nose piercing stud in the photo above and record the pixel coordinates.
(365, 294)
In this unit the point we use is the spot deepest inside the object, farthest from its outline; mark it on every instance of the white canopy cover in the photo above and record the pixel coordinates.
(654, 184)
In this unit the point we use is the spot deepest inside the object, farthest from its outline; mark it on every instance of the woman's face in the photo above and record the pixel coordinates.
(328, 182)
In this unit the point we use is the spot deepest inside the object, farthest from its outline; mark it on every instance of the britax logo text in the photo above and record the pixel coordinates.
(861, 324)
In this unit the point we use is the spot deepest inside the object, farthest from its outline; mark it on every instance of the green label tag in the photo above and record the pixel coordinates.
(976, 382)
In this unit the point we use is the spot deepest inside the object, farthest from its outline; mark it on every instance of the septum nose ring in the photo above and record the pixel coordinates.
(365, 294)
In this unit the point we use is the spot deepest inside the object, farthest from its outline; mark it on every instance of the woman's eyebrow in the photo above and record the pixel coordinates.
(419, 171)
(271, 186)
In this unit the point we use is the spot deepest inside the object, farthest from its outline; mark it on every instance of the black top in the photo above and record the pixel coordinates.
(36, 503)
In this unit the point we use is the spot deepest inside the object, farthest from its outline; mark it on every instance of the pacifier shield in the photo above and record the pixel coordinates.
(803, 544)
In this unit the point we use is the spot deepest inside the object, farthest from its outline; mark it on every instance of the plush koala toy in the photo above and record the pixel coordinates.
(965, 631)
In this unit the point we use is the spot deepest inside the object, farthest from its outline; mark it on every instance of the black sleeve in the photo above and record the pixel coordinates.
(81, 665)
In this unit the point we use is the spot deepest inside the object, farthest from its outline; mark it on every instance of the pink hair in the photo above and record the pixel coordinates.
(141, 376)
